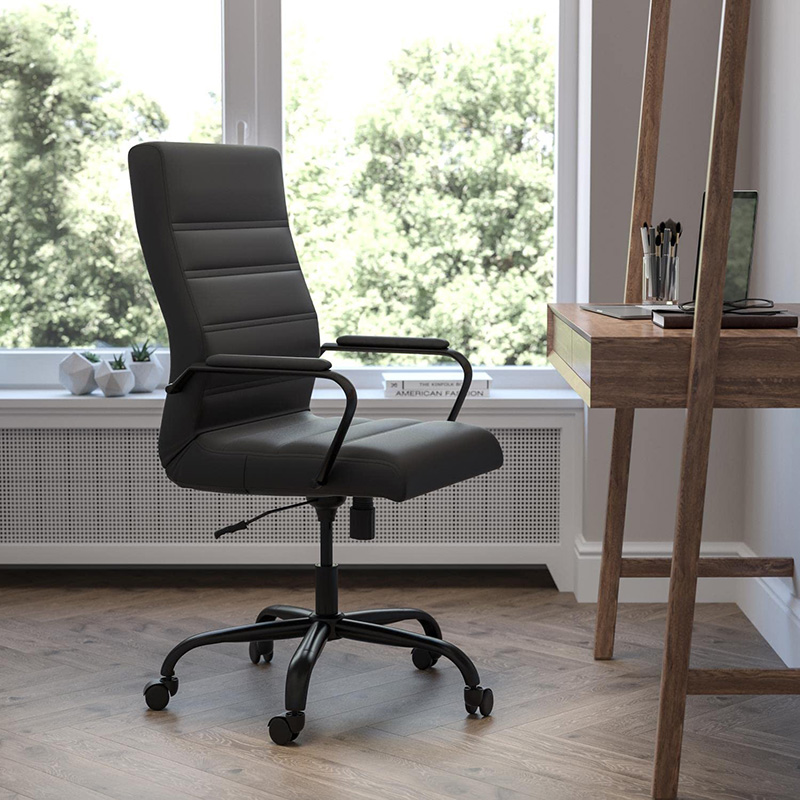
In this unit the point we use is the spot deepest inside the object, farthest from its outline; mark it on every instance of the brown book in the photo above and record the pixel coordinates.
(783, 319)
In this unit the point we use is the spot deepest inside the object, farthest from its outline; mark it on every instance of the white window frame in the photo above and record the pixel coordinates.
(252, 113)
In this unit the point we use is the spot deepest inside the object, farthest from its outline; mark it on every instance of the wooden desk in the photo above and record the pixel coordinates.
(615, 363)
(632, 364)
(629, 364)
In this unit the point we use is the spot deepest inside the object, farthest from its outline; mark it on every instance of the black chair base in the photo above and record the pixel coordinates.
(315, 629)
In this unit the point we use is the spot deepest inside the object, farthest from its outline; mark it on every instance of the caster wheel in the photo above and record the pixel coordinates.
(423, 659)
(286, 728)
(157, 693)
(487, 704)
(259, 650)
(478, 699)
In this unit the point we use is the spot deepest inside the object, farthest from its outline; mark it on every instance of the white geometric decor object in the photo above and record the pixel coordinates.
(76, 374)
(146, 374)
(114, 382)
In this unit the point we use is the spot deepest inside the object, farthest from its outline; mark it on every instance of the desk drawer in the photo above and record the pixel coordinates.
(562, 340)
(572, 349)
(633, 364)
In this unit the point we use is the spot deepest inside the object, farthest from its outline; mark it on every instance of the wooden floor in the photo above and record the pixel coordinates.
(77, 648)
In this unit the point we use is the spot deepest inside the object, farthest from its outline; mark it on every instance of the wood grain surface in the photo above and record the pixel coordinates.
(611, 561)
(644, 181)
(635, 364)
(711, 567)
(702, 390)
(77, 648)
(579, 360)
(744, 681)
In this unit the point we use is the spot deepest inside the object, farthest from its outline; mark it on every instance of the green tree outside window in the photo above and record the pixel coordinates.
(435, 217)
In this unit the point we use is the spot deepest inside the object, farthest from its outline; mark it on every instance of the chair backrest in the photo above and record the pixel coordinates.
(215, 234)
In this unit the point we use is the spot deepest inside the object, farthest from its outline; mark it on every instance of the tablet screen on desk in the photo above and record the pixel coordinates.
(740, 245)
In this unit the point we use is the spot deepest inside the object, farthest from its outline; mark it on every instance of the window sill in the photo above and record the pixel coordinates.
(55, 408)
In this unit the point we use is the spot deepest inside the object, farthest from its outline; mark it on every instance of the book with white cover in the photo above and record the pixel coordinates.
(434, 384)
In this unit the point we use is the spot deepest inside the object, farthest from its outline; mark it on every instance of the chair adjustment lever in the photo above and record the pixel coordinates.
(238, 526)
(242, 524)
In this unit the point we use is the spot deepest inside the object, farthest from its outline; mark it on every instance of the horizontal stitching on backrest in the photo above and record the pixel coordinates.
(256, 383)
(221, 272)
(219, 326)
(220, 226)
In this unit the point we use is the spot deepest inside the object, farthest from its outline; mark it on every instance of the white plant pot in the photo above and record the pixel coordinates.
(146, 374)
(113, 382)
(76, 374)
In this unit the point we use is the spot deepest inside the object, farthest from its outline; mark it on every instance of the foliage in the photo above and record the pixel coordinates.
(208, 122)
(71, 267)
(443, 223)
(118, 362)
(318, 172)
(432, 217)
(142, 352)
(93, 357)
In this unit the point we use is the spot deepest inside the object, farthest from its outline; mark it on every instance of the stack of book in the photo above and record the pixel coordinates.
(428, 385)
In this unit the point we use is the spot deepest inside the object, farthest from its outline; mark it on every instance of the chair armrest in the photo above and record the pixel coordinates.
(399, 342)
(407, 346)
(282, 366)
(292, 363)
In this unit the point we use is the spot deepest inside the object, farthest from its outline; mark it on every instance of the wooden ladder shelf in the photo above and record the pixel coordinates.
(683, 569)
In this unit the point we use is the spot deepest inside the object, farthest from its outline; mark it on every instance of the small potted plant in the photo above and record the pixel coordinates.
(76, 373)
(94, 358)
(114, 378)
(145, 366)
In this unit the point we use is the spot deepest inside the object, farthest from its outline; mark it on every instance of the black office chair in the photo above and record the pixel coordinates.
(245, 353)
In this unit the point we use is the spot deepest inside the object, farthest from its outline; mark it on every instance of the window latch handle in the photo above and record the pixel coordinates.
(241, 132)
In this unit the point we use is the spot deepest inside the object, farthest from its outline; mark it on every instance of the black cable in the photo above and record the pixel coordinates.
(747, 305)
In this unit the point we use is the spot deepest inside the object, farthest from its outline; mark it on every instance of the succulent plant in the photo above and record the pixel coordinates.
(93, 357)
(118, 362)
(142, 352)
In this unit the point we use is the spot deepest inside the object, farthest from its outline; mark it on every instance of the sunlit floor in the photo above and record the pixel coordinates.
(77, 648)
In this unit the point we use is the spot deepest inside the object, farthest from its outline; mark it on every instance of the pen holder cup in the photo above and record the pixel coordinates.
(660, 279)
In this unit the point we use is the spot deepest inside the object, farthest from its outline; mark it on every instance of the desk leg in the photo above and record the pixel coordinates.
(611, 564)
(681, 603)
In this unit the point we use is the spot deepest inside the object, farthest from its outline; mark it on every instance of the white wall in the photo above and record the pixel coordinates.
(772, 441)
(619, 29)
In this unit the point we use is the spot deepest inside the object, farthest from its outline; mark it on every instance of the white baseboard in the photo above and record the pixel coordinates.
(265, 555)
(774, 609)
(769, 603)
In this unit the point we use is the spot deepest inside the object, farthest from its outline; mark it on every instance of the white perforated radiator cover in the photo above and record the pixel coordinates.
(86, 486)
(99, 496)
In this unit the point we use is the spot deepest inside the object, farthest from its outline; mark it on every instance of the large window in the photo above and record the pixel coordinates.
(79, 84)
(419, 158)
(419, 149)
